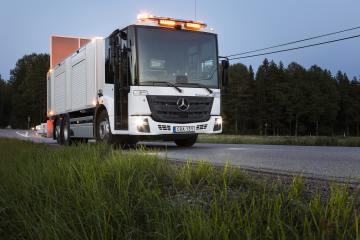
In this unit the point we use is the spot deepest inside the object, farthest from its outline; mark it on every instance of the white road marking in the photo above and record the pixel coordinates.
(237, 148)
(23, 135)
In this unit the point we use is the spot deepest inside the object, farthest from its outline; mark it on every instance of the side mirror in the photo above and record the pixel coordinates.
(123, 35)
(225, 72)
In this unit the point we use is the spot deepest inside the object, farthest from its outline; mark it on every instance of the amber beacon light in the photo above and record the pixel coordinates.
(167, 23)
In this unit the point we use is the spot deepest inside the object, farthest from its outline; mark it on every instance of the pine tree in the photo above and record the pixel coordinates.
(355, 100)
(295, 107)
(262, 102)
(234, 104)
(345, 103)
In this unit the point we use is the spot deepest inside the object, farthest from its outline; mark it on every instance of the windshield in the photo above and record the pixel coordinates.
(178, 57)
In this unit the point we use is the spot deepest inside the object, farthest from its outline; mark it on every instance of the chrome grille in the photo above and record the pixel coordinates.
(165, 109)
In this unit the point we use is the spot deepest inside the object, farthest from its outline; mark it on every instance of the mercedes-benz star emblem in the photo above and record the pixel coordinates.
(182, 104)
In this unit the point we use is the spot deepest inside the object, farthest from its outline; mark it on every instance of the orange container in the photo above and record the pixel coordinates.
(50, 124)
(62, 46)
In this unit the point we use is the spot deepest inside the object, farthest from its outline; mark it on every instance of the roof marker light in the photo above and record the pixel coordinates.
(96, 38)
(166, 22)
(143, 16)
(193, 25)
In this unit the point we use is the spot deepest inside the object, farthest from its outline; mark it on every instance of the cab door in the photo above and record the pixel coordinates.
(121, 80)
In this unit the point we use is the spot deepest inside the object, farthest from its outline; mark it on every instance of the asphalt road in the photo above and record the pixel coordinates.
(322, 162)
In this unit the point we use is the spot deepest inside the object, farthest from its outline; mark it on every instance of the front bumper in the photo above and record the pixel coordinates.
(145, 125)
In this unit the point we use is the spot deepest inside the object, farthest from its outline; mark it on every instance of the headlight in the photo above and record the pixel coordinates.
(218, 121)
(139, 122)
(142, 124)
(217, 124)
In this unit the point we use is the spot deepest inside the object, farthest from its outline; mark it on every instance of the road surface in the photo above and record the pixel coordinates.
(322, 162)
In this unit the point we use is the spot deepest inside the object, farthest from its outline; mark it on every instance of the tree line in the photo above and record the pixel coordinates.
(290, 100)
(23, 96)
(276, 100)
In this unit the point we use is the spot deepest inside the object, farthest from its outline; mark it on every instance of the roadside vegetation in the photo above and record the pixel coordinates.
(281, 140)
(96, 192)
(290, 100)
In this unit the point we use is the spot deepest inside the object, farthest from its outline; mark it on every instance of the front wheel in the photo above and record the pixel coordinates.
(186, 142)
(103, 131)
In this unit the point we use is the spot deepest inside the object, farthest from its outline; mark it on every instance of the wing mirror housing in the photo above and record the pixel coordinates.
(225, 72)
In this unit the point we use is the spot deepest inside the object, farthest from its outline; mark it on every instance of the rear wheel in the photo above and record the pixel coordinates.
(103, 131)
(65, 131)
(58, 131)
(186, 142)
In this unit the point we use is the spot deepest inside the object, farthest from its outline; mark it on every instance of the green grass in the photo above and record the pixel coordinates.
(281, 140)
(95, 192)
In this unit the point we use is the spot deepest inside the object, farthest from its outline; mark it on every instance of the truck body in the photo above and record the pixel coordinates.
(141, 82)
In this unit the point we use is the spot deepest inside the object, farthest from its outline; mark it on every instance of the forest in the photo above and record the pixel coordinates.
(291, 101)
(276, 100)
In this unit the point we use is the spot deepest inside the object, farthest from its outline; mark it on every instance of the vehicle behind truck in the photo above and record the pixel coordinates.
(157, 79)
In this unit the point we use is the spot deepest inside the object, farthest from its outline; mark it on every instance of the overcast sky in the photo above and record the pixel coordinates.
(25, 26)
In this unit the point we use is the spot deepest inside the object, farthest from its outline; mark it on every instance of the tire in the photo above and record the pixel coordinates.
(186, 142)
(103, 130)
(65, 131)
(57, 131)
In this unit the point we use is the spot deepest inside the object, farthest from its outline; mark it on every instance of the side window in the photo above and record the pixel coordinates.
(109, 64)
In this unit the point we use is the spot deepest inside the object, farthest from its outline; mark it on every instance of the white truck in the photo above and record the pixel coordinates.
(157, 79)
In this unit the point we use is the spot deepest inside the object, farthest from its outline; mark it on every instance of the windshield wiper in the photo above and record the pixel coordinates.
(199, 85)
(167, 83)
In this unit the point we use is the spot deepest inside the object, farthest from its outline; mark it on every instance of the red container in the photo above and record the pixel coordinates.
(61, 47)
(50, 128)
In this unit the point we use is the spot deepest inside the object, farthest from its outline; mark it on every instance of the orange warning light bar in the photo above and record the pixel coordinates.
(171, 22)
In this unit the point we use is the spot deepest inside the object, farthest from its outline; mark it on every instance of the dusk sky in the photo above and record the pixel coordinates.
(25, 26)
